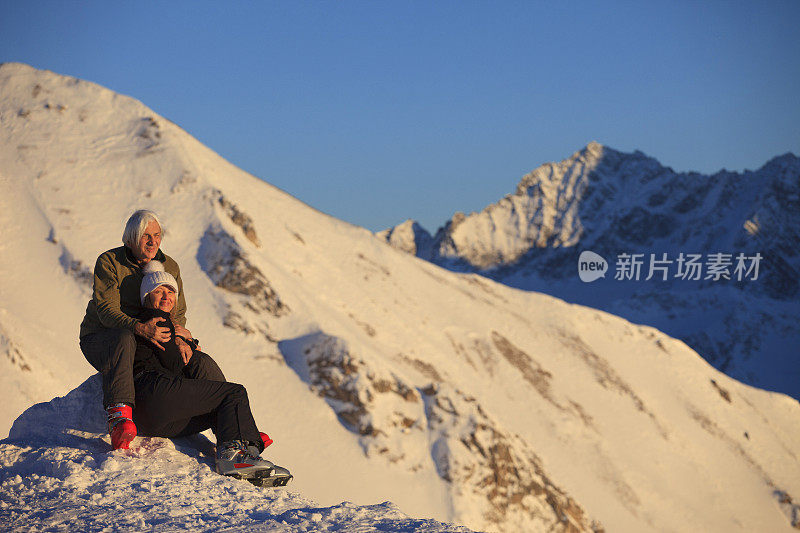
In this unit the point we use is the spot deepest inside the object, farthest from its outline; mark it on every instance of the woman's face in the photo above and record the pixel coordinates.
(162, 297)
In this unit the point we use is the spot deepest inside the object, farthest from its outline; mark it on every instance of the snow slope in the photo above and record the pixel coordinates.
(613, 203)
(381, 377)
(58, 456)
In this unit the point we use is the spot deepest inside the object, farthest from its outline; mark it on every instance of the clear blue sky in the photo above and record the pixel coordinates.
(380, 111)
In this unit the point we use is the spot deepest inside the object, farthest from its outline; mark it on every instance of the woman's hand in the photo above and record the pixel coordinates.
(152, 332)
(186, 334)
(185, 349)
(182, 331)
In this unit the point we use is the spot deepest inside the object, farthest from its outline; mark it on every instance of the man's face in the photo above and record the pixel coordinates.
(149, 243)
(162, 297)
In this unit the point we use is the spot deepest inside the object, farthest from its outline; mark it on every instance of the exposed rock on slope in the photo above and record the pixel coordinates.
(229, 269)
(495, 472)
(238, 217)
(371, 401)
(491, 472)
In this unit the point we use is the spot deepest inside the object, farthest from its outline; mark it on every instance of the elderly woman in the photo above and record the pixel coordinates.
(169, 403)
(107, 333)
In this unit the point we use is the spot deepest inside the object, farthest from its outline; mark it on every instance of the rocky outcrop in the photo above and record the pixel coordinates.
(495, 471)
(229, 268)
(148, 135)
(13, 353)
(370, 401)
(487, 468)
(237, 216)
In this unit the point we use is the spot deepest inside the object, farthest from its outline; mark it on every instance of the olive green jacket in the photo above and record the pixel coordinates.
(115, 300)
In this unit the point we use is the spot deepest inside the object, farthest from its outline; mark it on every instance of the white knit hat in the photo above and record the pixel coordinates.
(155, 276)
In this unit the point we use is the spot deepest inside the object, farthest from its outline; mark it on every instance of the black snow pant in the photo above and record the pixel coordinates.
(111, 352)
(171, 407)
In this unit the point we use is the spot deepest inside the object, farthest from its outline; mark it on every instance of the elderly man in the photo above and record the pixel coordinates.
(108, 328)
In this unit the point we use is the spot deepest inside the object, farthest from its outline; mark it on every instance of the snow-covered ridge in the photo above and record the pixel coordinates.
(611, 203)
(381, 377)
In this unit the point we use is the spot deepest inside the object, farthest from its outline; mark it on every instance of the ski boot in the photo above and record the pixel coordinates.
(120, 425)
(241, 460)
(279, 476)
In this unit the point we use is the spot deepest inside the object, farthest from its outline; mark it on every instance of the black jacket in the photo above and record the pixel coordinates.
(150, 357)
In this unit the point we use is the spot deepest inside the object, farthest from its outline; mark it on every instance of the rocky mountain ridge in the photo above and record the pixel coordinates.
(615, 203)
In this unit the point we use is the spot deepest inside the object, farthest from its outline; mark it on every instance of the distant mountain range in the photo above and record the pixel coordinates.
(619, 204)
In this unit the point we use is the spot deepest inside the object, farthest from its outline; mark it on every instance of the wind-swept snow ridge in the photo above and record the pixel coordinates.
(381, 377)
(613, 203)
(58, 458)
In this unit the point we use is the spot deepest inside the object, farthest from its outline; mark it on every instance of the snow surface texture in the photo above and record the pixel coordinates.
(57, 457)
(611, 203)
(380, 376)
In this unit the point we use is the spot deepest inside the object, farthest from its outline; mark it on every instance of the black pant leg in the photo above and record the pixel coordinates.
(203, 366)
(110, 352)
(174, 407)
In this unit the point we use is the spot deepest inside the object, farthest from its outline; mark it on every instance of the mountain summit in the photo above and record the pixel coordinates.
(381, 377)
(619, 204)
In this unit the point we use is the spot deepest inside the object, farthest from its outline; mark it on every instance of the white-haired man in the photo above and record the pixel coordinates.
(108, 328)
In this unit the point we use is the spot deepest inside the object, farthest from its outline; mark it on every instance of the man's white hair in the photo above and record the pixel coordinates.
(136, 226)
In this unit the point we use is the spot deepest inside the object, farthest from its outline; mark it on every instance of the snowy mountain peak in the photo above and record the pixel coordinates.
(785, 166)
(381, 377)
(10, 67)
(409, 237)
(592, 161)
(613, 203)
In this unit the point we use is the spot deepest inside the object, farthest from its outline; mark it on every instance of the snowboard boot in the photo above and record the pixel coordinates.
(120, 425)
(242, 460)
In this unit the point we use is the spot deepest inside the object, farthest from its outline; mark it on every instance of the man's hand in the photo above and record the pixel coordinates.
(185, 349)
(150, 331)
